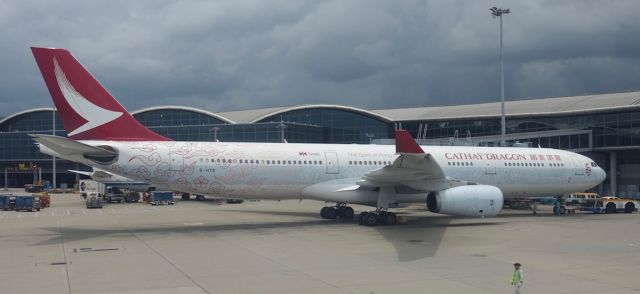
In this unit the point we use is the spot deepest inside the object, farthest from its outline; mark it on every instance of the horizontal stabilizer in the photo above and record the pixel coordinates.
(74, 150)
(81, 172)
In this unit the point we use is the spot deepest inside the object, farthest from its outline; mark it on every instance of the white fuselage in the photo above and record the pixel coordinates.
(282, 171)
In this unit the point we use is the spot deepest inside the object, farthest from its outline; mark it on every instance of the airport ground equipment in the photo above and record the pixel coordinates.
(162, 197)
(114, 194)
(34, 188)
(88, 186)
(131, 197)
(584, 199)
(28, 203)
(93, 202)
(4, 202)
(615, 204)
(45, 199)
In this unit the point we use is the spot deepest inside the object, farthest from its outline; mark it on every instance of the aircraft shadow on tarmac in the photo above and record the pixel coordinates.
(419, 238)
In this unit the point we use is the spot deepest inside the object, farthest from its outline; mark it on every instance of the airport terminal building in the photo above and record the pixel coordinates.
(604, 127)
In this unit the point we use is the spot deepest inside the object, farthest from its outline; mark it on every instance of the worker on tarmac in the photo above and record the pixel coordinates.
(517, 277)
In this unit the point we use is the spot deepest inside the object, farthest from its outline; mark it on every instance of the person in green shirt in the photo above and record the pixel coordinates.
(517, 277)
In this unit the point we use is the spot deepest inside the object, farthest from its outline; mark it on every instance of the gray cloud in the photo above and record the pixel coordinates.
(227, 55)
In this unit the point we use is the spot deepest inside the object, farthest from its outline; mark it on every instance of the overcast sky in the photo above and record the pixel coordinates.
(231, 55)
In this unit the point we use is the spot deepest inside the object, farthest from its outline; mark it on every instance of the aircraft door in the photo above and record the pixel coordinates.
(490, 167)
(576, 166)
(176, 158)
(331, 162)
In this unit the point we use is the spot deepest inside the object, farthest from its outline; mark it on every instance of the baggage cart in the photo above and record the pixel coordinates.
(93, 202)
(28, 203)
(162, 197)
(4, 202)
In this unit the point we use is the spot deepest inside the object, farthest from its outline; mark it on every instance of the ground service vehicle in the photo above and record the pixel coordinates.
(28, 203)
(93, 200)
(161, 197)
(87, 186)
(581, 198)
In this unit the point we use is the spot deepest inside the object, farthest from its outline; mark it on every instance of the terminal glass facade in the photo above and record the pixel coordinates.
(175, 117)
(609, 130)
(258, 132)
(340, 126)
(20, 157)
(611, 138)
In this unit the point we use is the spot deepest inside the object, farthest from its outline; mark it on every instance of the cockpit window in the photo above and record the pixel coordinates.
(594, 164)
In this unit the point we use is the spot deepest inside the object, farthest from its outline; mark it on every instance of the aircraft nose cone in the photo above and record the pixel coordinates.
(601, 175)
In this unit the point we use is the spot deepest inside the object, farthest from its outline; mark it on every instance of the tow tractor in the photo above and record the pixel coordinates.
(609, 204)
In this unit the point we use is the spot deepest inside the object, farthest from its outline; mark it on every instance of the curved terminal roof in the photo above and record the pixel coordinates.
(520, 108)
(532, 107)
(256, 115)
(185, 108)
(24, 112)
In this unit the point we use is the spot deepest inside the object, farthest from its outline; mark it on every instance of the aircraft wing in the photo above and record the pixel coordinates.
(406, 180)
(81, 172)
(414, 169)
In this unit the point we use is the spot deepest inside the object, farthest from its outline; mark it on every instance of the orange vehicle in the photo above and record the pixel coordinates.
(45, 199)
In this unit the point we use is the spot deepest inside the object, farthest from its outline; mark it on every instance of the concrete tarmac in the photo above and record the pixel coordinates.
(285, 247)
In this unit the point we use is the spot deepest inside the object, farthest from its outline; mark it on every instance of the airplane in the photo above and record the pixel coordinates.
(458, 181)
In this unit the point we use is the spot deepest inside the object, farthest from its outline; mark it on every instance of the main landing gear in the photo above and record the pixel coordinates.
(379, 217)
(339, 211)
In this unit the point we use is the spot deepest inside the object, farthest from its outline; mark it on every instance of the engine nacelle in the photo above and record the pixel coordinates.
(471, 200)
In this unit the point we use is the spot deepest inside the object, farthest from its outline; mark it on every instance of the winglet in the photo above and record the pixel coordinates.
(406, 144)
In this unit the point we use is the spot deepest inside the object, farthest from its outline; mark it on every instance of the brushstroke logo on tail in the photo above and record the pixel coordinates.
(93, 114)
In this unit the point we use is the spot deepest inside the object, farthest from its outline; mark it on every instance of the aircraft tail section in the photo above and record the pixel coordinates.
(406, 144)
(88, 111)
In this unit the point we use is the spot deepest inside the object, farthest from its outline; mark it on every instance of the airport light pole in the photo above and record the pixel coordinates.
(53, 173)
(282, 126)
(6, 178)
(215, 133)
(498, 12)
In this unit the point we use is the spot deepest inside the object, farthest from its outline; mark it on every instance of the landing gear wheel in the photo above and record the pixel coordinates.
(388, 218)
(323, 212)
(361, 217)
(629, 207)
(346, 212)
(610, 208)
(562, 210)
(371, 219)
(331, 213)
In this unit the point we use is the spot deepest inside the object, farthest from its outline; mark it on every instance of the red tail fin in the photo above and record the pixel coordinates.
(406, 144)
(87, 110)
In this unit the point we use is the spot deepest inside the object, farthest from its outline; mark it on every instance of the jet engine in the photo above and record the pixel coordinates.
(470, 200)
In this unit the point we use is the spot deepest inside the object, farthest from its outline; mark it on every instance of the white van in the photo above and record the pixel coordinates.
(581, 198)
